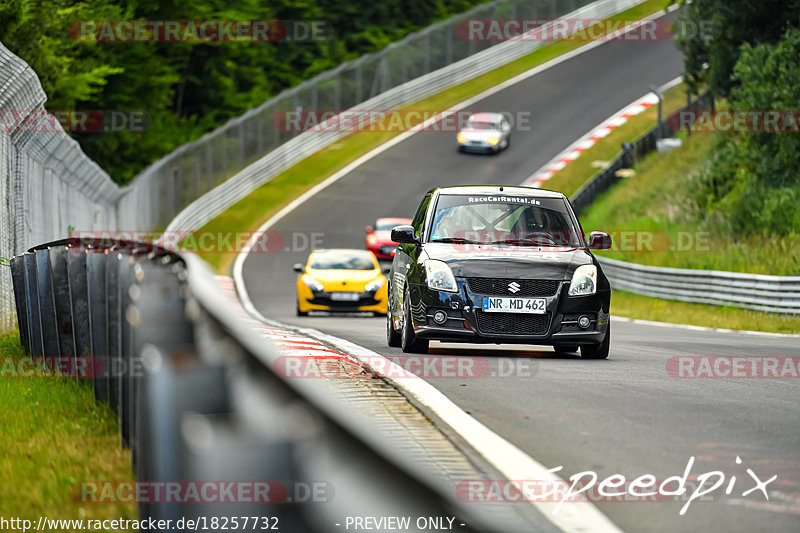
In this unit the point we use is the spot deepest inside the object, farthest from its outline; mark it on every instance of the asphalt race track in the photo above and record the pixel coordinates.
(626, 415)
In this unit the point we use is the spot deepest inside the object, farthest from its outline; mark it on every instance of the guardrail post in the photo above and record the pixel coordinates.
(112, 321)
(63, 309)
(98, 325)
(21, 300)
(79, 302)
(32, 295)
(125, 369)
(47, 312)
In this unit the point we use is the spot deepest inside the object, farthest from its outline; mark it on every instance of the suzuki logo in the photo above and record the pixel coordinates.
(513, 287)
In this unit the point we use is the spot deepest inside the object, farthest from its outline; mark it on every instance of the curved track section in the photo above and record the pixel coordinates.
(626, 415)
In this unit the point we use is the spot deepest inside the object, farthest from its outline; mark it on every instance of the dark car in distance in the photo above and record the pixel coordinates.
(497, 264)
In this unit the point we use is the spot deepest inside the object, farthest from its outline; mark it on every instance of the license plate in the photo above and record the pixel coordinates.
(387, 250)
(502, 304)
(344, 296)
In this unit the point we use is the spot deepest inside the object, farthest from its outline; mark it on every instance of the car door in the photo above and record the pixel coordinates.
(406, 257)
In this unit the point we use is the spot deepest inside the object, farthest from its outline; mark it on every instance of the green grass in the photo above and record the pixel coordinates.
(658, 201)
(54, 435)
(636, 306)
(569, 179)
(252, 211)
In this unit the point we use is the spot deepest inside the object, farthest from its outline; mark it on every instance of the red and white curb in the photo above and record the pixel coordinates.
(287, 341)
(592, 137)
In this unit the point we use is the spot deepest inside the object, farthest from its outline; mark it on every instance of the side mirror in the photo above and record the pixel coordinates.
(368, 229)
(404, 235)
(599, 240)
(298, 267)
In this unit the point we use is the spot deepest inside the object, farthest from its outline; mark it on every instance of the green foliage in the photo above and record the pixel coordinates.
(732, 23)
(187, 88)
(752, 184)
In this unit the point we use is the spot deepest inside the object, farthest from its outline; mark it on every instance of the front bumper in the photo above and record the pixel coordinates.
(323, 301)
(467, 322)
(478, 146)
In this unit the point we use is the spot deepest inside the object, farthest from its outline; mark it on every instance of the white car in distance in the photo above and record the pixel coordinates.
(485, 132)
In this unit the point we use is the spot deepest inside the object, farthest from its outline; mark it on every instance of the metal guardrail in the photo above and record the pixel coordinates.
(631, 152)
(195, 393)
(775, 294)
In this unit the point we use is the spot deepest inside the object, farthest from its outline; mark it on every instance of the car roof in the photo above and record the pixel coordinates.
(486, 117)
(517, 190)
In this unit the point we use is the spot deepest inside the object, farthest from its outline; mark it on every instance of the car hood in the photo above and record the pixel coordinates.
(343, 279)
(508, 262)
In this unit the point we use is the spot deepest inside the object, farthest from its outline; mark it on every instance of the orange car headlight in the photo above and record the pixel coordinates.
(462, 138)
(492, 140)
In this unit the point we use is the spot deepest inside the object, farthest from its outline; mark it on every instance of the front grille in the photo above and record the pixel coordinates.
(500, 286)
(513, 323)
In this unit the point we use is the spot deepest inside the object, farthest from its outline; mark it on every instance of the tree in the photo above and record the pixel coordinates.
(732, 23)
(752, 183)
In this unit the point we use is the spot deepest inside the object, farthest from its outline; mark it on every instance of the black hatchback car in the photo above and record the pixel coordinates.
(496, 264)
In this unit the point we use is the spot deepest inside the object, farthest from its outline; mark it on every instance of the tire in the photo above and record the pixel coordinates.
(409, 342)
(566, 348)
(299, 312)
(598, 351)
(392, 335)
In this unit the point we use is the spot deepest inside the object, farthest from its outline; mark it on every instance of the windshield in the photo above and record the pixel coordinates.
(478, 125)
(506, 220)
(339, 260)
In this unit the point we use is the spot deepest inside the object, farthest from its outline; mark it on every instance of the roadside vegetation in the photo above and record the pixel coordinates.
(54, 437)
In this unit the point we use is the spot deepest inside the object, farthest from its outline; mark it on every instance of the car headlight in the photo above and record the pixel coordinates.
(584, 281)
(493, 140)
(371, 239)
(312, 284)
(439, 275)
(462, 138)
(375, 284)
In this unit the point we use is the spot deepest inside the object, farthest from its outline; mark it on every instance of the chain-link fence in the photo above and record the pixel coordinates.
(49, 186)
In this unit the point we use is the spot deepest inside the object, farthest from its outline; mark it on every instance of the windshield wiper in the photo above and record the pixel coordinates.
(526, 242)
(456, 240)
